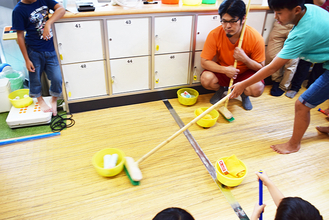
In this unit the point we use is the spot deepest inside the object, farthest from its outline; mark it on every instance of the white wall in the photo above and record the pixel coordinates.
(11, 51)
(254, 2)
(8, 3)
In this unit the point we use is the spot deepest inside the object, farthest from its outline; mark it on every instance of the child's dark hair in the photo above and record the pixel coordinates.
(282, 4)
(173, 214)
(235, 8)
(295, 208)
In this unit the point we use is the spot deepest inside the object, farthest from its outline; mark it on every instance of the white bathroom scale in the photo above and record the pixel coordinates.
(29, 116)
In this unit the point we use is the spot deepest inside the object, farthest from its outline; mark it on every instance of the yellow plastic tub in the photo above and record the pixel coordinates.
(229, 181)
(22, 101)
(192, 2)
(98, 162)
(187, 101)
(209, 119)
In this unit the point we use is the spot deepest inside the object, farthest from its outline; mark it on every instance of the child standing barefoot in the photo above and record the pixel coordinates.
(37, 46)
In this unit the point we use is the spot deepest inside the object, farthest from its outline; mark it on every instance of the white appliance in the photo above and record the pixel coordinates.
(29, 116)
(5, 90)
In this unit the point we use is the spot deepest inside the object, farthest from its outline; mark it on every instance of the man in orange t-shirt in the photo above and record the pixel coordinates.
(223, 42)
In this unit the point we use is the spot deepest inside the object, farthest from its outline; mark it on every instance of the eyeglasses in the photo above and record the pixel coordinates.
(230, 22)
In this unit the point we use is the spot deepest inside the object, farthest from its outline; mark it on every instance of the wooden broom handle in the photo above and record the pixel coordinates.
(239, 46)
(182, 129)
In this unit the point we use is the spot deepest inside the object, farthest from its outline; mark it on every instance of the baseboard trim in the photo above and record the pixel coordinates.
(128, 100)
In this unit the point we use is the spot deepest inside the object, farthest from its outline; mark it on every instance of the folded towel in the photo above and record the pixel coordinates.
(234, 167)
(199, 111)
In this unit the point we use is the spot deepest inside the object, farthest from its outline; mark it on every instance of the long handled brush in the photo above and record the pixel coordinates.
(133, 167)
(223, 110)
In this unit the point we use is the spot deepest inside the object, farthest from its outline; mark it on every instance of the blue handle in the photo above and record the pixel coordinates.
(261, 195)
(28, 138)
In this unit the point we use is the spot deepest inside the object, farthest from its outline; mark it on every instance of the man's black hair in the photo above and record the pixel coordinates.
(235, 8)
(295, 208)
(173, 214)
(282, 4)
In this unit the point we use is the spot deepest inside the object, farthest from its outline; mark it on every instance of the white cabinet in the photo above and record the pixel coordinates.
(80, 48)
(130, 54)
(128, 37)
(205, 24)
(253, 2)
(171, 69)
(130, 74)
(144, 52)
(268, 26)
(83, 80)
(172, 50)
(79, 41)
(256, 20)
(173, 34)
(197, 69)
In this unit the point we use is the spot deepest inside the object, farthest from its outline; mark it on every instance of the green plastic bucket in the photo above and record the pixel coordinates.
(15, 78)
(208, 1)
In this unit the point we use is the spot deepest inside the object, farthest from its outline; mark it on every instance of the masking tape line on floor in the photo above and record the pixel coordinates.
(210, 168)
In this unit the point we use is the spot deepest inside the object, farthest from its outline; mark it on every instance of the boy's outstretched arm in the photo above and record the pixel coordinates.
(264, 72)
(276, 194)
(22, 47)
(58, 13)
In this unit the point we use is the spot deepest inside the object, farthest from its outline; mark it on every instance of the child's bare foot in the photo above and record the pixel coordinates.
(43, 105)
(323, 129)
(53, 104)
(285, 148)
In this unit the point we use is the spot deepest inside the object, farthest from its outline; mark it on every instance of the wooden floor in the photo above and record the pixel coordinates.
(53, 178)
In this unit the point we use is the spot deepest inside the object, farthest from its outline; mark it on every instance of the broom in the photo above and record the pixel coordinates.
(223, 110)
(132, 168)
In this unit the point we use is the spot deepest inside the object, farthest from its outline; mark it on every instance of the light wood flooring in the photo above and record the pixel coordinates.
(53, 178)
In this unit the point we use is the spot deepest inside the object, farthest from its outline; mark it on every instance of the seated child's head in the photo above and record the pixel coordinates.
(173, 214)
(295, 208)
(276, 5)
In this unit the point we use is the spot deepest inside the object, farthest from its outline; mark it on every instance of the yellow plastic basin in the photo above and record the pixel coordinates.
(98, 162)
(187, 101)
(21, 102)
(226, 180)
(209, 119)
(192, 2)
